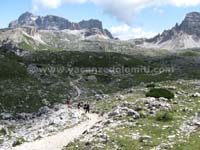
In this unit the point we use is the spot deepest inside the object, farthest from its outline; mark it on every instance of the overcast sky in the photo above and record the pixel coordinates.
(126, 19)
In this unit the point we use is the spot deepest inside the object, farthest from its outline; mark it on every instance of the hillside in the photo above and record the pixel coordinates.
(26, 81)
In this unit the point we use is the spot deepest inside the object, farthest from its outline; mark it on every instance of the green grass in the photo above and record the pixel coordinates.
(192, 143)
(24, 45)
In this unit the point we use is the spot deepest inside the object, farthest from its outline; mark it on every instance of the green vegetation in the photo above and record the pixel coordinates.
(192, 143)
(190, 54)
(21, 91)
(151, 85)
(18, 142)
(164, 116)
(11, 66)
(3, 131)
(24, 45)
(158, 92)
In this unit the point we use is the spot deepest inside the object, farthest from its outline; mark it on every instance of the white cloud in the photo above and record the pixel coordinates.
(53, 3)
(180, 3)
(126, 9)
(123, 10)
(125, 32)
(158, 10)
(46, 3)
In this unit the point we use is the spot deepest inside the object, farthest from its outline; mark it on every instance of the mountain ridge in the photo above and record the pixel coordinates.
(181, 36)
(32, 32)
(51, 22)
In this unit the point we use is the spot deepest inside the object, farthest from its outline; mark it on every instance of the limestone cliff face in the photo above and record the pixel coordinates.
(191, 24)
(51, 22)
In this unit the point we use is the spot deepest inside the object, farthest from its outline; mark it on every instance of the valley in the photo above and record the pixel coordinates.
(144, 93)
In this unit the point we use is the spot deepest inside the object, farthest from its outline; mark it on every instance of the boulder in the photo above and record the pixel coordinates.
(43, 110)
(195, 94)
(23, 116)
(92, 78)
(144, 138)
(133, 113)
(162, 99)
(6, 116)
(98, 97)
(120, 97)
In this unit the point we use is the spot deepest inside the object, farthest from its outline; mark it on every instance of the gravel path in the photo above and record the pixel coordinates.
(61, 139)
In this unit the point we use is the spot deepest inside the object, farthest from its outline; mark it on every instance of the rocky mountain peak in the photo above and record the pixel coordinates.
(192, 15)
(185, 35)
(191, 23)
(26, 15)
(51, 22)
(26, 19)
(92, 23)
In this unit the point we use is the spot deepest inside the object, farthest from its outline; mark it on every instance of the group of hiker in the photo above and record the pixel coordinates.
(86, 106)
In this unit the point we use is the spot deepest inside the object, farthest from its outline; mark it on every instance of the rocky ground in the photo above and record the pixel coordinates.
(130, 121)
(31, 127)
(135, 122)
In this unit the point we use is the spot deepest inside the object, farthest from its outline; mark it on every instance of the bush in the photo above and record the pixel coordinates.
(18, 142)
(157, 93)
(3, 131)
(151, 85)
(164, 116)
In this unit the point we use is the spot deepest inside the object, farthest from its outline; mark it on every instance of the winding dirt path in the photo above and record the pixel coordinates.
(77, 88)
(61, 139)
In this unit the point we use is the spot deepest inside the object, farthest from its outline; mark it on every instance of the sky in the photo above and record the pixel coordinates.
(126, 19)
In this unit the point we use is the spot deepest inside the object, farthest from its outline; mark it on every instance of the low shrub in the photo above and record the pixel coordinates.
(18, 142)
(151, 85)
(157, 93)
(164, 116)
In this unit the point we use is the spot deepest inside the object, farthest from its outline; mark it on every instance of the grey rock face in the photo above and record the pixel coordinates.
(54, 23)
(108, 34)
(191, 23)
(51, 22)
(91, 24)
(180, 36)
(26, 18)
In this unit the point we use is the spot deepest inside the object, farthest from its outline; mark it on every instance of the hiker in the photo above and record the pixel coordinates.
(68, 103)
(87, 110)
(85, 107)
(79, 105)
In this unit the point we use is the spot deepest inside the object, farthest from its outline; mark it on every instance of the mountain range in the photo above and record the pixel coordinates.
(31, 32)
(51, 22)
